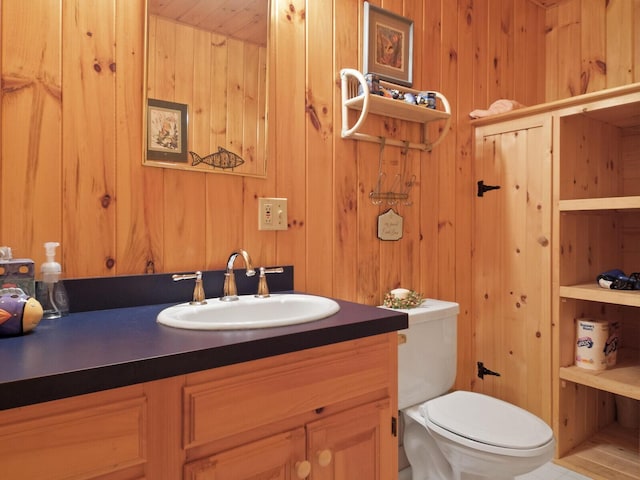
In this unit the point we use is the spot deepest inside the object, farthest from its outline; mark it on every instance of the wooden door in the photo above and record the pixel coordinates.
(274, 458)
(357, 443)
(512, 262)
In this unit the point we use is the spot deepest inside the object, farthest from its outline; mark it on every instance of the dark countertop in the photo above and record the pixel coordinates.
(96, 350)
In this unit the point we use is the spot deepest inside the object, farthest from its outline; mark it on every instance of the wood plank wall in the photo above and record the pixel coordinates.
(71, 168)
(591, 45)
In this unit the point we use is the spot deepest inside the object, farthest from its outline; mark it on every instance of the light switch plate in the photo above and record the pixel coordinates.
(272, 213)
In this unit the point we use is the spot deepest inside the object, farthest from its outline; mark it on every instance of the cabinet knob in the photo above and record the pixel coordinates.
(324, 457)
(303, 468)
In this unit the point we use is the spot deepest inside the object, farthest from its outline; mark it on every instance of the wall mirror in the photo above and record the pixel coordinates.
(206, 94)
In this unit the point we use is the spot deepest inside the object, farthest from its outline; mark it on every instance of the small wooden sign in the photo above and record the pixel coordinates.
(389, 225)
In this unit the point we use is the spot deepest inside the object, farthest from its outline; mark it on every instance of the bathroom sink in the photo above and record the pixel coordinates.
(249, 312)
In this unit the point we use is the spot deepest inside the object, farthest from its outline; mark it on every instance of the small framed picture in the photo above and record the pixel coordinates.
(388, 45)
(167, 131)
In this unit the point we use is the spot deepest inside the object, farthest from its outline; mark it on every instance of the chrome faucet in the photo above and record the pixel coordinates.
(230, 291)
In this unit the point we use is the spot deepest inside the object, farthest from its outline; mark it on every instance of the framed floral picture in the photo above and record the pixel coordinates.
(388, 45)
(167, 131)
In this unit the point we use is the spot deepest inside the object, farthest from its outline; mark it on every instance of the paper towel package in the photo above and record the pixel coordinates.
(592, 336)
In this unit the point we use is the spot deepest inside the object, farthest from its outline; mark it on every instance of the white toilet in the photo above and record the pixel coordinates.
(459, 435)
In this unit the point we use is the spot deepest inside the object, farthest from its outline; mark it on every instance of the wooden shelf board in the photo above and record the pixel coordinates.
(624, 101)
(595, 293)
(623, 379)
(612, 453)
(397, 109)
(600, 204)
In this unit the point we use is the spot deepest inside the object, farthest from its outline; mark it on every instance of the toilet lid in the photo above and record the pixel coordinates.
(487, 420)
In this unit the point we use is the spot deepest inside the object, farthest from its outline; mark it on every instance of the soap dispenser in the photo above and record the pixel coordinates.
(51, 292)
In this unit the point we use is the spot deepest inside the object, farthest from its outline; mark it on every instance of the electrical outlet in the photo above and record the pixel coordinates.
(272, 213)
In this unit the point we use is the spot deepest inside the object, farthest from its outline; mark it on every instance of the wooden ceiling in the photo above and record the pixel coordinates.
(242, 19)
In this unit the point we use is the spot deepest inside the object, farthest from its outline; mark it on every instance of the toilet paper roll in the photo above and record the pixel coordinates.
(592, 335)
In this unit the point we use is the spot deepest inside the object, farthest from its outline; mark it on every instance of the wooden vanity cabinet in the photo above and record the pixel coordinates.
(343, 446)
(328, 416)
(324, 413)
(279, 456)
(93, 436)
(353, 444)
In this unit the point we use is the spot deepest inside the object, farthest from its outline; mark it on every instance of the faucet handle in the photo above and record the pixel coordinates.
(198, 290)
(263, 289)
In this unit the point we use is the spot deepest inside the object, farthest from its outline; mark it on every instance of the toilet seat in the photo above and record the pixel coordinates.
(486, 423)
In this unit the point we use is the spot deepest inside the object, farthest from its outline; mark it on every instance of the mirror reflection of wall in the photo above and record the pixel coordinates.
(212, 57)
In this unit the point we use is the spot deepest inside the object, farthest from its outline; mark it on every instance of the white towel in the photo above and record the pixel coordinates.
(499, 106)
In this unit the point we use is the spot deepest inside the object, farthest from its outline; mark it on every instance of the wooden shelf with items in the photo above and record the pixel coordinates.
(596, 141)
(356, 95)
(620, 380)
(592, 292)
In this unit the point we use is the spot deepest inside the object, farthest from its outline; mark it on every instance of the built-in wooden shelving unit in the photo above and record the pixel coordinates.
(595, 143)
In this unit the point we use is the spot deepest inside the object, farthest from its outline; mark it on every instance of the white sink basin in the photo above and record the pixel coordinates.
(249, 312)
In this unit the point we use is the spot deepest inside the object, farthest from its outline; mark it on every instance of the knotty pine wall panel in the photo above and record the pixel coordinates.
(72, 95)
(31, 134)
(591, 45)
(139, 220)
(88, 132)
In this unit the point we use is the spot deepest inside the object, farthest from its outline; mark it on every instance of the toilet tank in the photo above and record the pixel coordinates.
(427, 352)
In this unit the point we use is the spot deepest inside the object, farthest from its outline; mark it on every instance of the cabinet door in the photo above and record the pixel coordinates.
(355, 444)
(512, 262)
(279, 457)
(88, 436)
